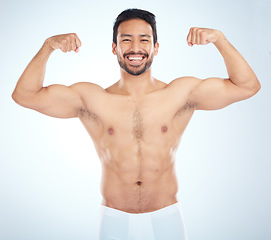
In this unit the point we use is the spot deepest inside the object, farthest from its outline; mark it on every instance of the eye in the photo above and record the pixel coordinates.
(144, 40)
(126, 40)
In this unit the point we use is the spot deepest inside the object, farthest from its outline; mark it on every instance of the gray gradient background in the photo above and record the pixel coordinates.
(49, 170)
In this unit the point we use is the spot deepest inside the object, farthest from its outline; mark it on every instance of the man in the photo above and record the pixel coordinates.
(137, 123)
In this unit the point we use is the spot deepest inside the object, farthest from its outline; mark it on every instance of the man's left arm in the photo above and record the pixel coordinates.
(216, 93)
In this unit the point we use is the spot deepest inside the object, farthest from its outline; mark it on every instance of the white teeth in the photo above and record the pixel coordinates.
(135, 58)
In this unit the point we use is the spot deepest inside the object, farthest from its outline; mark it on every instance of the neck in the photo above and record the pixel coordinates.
(136, 85)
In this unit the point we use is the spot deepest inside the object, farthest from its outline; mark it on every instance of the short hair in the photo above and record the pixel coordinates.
(134, 13)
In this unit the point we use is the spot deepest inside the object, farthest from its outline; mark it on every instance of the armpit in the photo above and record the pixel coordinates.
(189, 106)
(85, 113)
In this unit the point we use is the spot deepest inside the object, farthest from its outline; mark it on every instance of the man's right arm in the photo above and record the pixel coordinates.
(55, 100)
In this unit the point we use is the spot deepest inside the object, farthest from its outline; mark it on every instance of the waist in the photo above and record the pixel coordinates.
(139, 195)
(109, 211)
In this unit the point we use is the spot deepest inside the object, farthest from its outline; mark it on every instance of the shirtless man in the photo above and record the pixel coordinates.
(137, 123)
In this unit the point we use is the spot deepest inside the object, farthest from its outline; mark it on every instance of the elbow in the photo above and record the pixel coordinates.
(13, 96)
(18, 98)
(23, 99)
(255, 88)
(259, 85)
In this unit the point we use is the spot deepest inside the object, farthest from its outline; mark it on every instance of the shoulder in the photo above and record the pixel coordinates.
(86, 86)
(185, 81)
(184, 85)
(90, 93)
(181, 88)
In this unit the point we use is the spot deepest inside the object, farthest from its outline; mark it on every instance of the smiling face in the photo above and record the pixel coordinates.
(135, 48)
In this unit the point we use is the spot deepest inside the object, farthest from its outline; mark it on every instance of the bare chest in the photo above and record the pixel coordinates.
(143, 120)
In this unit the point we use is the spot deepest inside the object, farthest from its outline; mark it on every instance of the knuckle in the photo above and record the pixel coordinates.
(72, 36)
(202, 34)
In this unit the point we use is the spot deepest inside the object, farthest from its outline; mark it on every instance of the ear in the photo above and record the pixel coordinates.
(156, 47)
(114, 48)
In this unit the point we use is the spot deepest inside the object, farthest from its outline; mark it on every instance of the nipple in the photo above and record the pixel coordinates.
(164, 128)
(110, 131)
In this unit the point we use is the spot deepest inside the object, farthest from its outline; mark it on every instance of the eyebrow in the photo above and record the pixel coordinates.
(145, 35)
(141, 35)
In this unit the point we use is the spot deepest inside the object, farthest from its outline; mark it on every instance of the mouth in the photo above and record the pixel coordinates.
(135, 59)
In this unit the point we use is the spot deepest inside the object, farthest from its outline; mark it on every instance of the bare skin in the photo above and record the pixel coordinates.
(137, 123)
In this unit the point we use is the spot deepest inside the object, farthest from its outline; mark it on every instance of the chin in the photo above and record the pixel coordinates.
(136, 72)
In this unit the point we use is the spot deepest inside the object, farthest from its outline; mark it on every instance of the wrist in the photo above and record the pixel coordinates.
(220, 38)
(47, 46)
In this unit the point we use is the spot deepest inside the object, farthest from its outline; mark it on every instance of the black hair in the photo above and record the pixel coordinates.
(134, 13)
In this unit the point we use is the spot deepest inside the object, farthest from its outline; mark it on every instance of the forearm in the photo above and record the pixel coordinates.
(31, 81)
(240, 73)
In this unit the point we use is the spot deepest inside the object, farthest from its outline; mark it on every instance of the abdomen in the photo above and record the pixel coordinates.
(157, 188)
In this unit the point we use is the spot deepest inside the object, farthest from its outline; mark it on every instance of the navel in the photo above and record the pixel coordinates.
(164, 128)
(110, 131)
(138, 183)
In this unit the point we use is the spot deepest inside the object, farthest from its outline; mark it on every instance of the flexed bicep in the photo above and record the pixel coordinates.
(216, 93)
(55, 100)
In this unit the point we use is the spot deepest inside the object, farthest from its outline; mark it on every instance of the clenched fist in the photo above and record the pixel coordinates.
(202, 36)
(65, 42)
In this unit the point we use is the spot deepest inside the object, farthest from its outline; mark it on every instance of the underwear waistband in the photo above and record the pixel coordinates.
(160, 212)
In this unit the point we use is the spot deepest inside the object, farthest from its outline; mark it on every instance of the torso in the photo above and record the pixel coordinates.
(136, 141)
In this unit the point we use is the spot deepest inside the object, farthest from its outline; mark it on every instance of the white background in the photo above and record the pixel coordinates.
(49, 170)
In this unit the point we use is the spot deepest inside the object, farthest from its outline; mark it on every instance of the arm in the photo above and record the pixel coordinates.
(55, 100)
(216, 93)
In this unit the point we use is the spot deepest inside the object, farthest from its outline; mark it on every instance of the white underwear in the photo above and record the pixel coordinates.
(164, 224)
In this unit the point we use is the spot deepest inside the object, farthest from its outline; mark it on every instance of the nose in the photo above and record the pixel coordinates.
(135, 46)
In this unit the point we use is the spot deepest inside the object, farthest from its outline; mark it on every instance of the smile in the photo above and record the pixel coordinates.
(135, 59)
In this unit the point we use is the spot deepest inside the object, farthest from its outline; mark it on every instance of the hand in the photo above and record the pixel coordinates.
(65, 42)
(202, 36)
